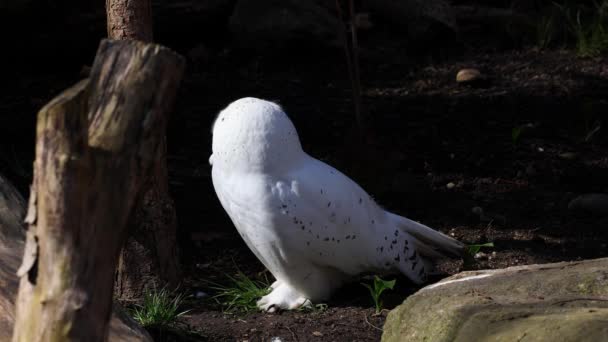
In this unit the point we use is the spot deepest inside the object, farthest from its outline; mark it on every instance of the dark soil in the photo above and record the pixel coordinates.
(424, 131)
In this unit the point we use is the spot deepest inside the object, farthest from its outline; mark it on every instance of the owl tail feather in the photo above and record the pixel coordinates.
(429, 242)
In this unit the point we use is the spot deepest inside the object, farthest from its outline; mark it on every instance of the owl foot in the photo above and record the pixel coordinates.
(282, 297)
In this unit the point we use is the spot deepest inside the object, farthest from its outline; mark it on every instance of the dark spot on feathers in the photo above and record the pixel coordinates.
(385, 237)
(360, 200)
(413, 257)
(406, 242)
(303, 227)
(328, 204)
(347, 237)
(394, 242)
(307, 243)
(338, 241)
(321, 190)
(373, 221)
(386, 264)
(382, 249)
(332, 239)
(398, 257)
(284, 206)
(317, 236)
(354, 237)
(414, 264)
(326, 239)
(421, 273)
(396, 232)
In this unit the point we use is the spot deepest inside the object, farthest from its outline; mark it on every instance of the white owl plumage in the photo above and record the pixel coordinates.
(309, 224)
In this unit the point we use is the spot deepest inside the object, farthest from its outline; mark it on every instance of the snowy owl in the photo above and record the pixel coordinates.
(309, 224)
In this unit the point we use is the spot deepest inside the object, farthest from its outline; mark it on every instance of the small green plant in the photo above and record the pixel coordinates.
(547, 29)
(378, 287)
(159, 308)
(313, 308)
(471, 250)
(516, 132)
(241, 294)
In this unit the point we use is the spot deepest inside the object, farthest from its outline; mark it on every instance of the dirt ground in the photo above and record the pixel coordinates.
(437, 152)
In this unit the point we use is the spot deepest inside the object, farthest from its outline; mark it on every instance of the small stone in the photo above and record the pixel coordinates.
(568, 155)
(477, 211)
(276, 339)
(540, 149)
(480, 255)
(466, 76)
(450, 185)
(200, 294)
(317, 333)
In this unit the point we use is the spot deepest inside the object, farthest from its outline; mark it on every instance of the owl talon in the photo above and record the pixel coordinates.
(282, 297)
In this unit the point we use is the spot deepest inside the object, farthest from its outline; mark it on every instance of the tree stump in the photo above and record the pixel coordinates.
(95, 143)
(12, 240)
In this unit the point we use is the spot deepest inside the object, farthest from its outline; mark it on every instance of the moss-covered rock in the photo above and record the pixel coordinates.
(565, 301)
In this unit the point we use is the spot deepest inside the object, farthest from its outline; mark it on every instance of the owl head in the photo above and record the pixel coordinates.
(254, 134)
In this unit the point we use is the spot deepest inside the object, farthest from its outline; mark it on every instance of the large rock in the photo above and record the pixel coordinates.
(12, 240)
(565, 301)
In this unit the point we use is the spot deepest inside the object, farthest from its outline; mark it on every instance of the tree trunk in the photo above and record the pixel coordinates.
(95, 142)
(149, 258)
(130, 19)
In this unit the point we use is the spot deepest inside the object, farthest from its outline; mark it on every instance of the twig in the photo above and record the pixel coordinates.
(591, 299)
(352, 57)
(371, 325)
(295, 338)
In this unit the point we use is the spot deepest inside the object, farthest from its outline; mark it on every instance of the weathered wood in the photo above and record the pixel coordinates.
(96, 142)
(129, 19)
(12, 240)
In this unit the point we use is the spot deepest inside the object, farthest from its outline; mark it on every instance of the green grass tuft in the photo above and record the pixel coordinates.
(241, 294)
(581, 25)
(159, 308)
